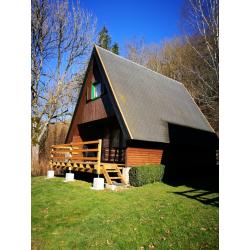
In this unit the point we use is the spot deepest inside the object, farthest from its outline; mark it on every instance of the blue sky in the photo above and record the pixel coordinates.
(154, 20)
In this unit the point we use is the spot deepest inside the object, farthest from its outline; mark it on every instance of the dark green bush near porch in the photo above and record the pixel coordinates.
(145, 174)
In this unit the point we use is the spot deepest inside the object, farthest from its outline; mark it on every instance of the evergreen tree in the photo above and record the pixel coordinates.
(115, 48)
(104, 39)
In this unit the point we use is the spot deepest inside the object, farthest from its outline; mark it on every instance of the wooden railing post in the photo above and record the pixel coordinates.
(99, 155)
(52, 150)
(51, 156)
(70, 156)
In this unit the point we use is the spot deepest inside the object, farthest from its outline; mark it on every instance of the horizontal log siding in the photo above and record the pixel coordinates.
(142, 156)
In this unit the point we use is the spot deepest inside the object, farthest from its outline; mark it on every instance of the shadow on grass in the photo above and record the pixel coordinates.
(201, 196)
(208, 183)
(204, 189)
(191, 160)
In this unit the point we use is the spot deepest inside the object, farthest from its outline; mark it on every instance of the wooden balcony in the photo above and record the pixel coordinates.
(84, 157)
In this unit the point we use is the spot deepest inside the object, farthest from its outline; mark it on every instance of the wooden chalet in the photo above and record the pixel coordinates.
(128, 115)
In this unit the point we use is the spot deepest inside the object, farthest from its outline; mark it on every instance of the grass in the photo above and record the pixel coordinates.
(155, 216)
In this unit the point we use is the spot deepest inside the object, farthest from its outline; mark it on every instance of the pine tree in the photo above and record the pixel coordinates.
(115, 48)
(104, 39)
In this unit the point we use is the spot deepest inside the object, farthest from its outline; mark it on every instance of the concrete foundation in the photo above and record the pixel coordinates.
(125, 173)
(69, 177)
(50, 174)
(98, 184)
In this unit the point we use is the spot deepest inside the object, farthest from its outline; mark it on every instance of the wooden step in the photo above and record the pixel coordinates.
(115, 169)
(112, 168)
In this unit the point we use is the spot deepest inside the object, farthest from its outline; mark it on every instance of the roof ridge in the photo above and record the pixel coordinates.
(124, 58)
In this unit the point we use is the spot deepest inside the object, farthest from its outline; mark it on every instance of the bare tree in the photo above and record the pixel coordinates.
(137, 51)
(62, 38)
(200, 23)
(200, 18)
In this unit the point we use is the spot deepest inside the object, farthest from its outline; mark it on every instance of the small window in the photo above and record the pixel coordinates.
(96, 90)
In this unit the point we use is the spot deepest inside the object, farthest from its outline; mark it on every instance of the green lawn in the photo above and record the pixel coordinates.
(155, 216)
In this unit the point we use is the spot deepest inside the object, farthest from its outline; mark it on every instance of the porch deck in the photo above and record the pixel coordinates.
(85, 157)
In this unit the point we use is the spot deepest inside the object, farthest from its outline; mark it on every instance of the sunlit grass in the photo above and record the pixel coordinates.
(155, 216)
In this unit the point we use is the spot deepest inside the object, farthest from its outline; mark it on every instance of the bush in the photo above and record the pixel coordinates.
(142, 175)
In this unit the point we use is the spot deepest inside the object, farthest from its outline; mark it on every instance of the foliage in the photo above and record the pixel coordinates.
(61, 39)
(142, 175)
(115, 48)
(72, 216)
(104, 41)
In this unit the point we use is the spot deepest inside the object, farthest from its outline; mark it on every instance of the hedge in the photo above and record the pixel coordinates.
(141, 175)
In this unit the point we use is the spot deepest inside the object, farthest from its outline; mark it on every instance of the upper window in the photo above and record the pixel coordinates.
(96, 90)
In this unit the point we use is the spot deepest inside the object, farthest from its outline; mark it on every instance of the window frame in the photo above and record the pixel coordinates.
(93, 89)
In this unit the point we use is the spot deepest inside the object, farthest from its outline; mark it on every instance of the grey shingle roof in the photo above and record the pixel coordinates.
(148, 100)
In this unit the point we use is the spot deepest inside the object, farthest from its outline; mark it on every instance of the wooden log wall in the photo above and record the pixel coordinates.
(142, 156)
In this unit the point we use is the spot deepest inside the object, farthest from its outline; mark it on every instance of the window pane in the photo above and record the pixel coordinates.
(98, 89)
(92, 91)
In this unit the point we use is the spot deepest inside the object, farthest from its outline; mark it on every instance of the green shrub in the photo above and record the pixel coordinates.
(145, 174)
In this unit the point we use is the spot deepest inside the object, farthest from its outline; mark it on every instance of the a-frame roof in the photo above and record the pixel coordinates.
(149, 101)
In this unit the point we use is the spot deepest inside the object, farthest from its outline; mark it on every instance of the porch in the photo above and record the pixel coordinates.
(87, 157)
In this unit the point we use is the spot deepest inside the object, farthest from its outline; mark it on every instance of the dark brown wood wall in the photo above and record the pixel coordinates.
(142, 156)
(89, 110)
